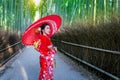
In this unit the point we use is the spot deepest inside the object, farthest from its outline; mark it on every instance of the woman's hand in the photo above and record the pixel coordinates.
(36, 44)
(55, 48)
(52, 47)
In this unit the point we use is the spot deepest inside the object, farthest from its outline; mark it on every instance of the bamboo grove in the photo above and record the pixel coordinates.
(94, 10)
(17, 14)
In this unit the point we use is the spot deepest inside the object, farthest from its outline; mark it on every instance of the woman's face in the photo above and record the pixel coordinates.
(46, 30)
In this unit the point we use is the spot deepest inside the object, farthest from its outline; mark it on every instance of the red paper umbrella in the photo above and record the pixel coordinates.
(32, 33)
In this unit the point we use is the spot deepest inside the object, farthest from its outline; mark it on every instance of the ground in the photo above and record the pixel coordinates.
(25, 66)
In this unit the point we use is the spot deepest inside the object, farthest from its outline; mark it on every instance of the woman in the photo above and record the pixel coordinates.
(40, 39)
(47, 53)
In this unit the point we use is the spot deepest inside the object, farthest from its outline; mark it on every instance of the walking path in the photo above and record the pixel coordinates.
(26, 67)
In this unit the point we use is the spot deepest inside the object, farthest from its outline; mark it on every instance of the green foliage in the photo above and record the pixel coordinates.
(15, 15)
(69, 10)
(42, 8)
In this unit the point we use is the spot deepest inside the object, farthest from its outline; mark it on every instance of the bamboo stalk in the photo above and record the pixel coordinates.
(94, 18)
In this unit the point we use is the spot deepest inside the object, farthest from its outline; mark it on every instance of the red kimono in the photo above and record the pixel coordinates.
(47, 53)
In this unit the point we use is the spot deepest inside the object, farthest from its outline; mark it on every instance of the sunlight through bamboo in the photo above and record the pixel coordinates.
(37, 2)
(37, 16)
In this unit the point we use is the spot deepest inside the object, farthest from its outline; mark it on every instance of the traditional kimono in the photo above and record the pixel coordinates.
(47, 54)
(44, 44)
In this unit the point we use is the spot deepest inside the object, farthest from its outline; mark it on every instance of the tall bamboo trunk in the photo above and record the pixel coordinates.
(94, 17)
(4, 15)
(11, 9)
(1, 13)
(104, 10)
(117, 7)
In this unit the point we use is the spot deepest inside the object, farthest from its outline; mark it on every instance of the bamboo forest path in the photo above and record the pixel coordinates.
(25, 66)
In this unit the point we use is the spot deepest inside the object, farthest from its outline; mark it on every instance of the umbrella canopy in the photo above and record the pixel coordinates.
(32, 33)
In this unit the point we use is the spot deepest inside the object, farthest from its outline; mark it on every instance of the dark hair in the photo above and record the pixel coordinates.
(43, 27)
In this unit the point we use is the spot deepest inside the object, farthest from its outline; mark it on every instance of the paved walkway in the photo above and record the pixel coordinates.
(26, 67)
